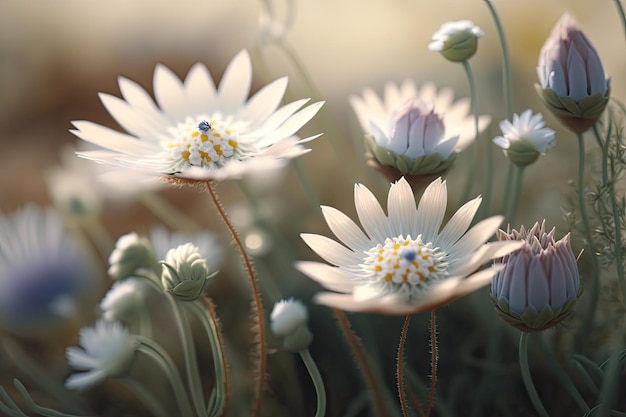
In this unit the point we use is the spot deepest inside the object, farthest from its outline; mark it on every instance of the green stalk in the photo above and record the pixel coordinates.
(506, 69)
(528, 381)
(595, 286)
(471, 168)
(155, 352)
(620, 9)
(516, 195)
(317, 381)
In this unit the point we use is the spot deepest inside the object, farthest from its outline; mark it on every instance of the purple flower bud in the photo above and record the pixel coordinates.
(539, 283)
(572, 80)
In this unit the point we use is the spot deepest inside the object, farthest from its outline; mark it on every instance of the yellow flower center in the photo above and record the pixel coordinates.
(203, 143)
(404, 263)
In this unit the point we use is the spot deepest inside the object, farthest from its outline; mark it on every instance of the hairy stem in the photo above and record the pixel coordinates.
(400, 366)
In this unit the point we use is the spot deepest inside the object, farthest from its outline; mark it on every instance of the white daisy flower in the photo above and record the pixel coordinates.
(107, 351)
(403, 263)
(287, 315)
(198, 131)
(44, 274)
(399, 121)
(525, 137)
(124, 300)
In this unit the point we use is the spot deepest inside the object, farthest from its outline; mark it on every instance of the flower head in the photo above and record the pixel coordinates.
(131, 253)
(289, 322)
(414, 131)
(198, 132)
(185, 272)
(525, 137)
(573, 84)
(457, 41)
(124, 299)
(403, 263)
(163, 240)
(44, 274)
(539, 284)
(107, 351)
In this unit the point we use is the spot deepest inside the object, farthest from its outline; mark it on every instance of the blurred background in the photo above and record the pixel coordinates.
(56, 56)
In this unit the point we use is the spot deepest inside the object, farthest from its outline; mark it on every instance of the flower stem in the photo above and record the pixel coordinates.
(210, 323)
(146, 397)
(507, 188)
(595, 286)
(506, 69)
(163, 360)
(528, 381)
(257, 302)
(363, 363)
(433, 361)
(400, 366)
(191, 360)
(471, 168)
(622, 15)
(517, 191)
(317, 382)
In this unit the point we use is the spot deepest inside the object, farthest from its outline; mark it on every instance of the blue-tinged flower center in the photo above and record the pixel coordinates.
(204, 143)
(404, 263)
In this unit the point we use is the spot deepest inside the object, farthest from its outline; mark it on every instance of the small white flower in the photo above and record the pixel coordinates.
(131, 253)
(525, 137)
(107, 351)
(403, 263)
(44, 275)
(457, 41)
(453, 126)
(198, 131)
(208, 246)
(124, 299)
(287, 315)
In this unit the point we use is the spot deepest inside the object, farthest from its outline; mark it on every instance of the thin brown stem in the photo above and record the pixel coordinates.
(433, 361)
(400, 366)
(257, 302)
(361, 359)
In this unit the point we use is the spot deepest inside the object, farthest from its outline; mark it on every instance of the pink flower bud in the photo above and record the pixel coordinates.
(572, 80)
(539, 283)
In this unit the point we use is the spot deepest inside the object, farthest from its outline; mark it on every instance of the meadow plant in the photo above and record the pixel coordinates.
(181, 327)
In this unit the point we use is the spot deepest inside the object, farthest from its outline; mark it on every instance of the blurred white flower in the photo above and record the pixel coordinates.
(525, 137)
(287, 315)
(457, 41)
(107, 351)
(124, 299)
(198, 131)
(44, 274)
(413, 123)
(289, 322)
(403, 263)
(131, 253)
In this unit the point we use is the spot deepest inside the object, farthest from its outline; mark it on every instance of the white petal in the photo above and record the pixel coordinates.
(346, 230)
(200, 90)
(170, 93)
(84, 380)
(235, 84)
(331, 251)
(371, 214)
(278, 117)
(79, 359)
(431, 209)
(402, 209)
(111, 139)
(292, 125)
(139, 99)
(458, 224)
(329, 277)
(134, 121)
(264, 102)
(476, 236)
